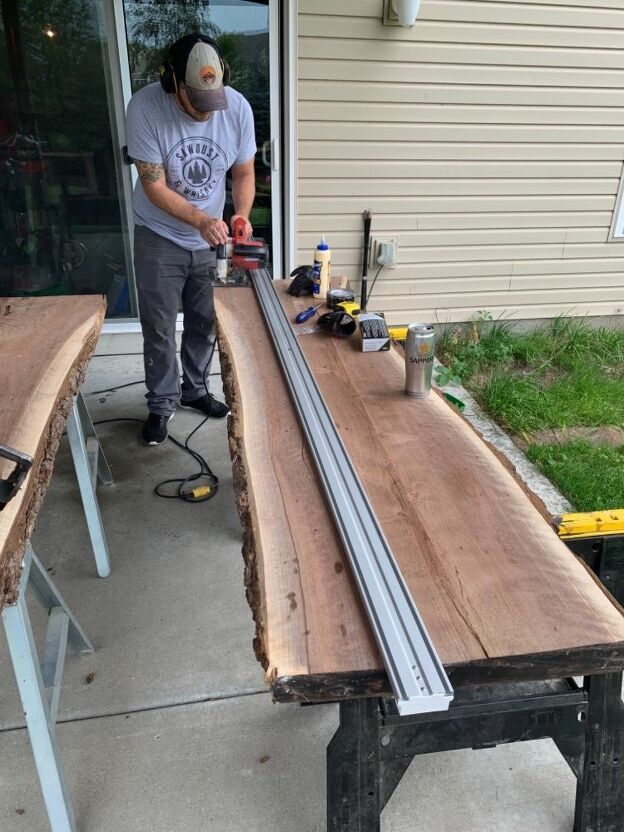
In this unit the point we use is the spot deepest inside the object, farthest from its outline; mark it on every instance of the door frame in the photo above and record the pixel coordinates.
(117, 83)
(275, 120)
(289, 96)
(283, 91)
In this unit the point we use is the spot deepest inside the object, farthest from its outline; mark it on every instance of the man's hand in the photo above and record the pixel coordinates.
(213, 231)
(248, 228)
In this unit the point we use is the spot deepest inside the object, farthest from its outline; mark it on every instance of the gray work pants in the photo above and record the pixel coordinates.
(167, 275)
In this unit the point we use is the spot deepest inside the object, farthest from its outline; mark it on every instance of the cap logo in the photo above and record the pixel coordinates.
(208, 75)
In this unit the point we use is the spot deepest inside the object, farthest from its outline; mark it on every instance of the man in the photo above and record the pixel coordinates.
(184, 134)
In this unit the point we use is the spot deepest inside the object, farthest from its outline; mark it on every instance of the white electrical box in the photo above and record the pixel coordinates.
(385, 247)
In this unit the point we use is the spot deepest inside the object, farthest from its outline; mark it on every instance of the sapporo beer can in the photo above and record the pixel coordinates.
(419, 352)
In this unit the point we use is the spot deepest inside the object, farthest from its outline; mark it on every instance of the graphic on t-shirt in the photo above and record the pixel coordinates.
(196, 166)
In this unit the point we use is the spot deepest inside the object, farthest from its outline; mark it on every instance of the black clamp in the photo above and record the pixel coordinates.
(10, 486)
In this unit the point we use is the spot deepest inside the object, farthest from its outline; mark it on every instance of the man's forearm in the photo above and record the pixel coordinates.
(244, 193)
(174, 204)
(212, 229)
(152, 175)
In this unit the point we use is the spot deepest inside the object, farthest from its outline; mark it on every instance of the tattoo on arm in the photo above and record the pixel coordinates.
(149, 172)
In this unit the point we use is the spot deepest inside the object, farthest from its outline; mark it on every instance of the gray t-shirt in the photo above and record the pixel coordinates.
(196, 155)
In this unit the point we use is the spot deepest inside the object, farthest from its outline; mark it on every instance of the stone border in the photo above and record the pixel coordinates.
(535, 481)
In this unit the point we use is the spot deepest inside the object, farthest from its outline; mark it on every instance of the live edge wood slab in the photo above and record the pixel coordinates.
(45, 347)
(502, 597)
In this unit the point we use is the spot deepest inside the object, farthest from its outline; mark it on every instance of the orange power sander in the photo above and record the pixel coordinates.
(246, 253)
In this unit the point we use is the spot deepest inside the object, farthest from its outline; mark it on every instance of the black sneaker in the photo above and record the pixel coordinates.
(155, 429)
(208, 405)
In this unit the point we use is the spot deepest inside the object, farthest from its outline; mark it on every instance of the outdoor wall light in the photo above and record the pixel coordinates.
(400, 12)
(407, 11)
(48, 31)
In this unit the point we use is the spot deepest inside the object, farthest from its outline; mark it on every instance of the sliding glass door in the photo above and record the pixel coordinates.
(246, 31)
(67, 72)
(63, 226)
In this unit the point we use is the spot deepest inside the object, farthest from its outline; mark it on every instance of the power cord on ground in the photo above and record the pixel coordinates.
(128, 384)
(199, 493)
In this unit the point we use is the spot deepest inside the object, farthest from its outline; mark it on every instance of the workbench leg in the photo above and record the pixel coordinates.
(100, 469)
(392, 772)
(600, 793)
(36, 705)
(49, 596)
(86, 483)
(353, 792)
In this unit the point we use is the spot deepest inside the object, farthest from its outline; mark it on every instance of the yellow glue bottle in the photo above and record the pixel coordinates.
(322, 262)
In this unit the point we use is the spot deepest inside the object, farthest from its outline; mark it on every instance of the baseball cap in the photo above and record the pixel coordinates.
(199, 66)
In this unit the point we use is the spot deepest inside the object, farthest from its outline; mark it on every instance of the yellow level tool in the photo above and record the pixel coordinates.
(590, 523)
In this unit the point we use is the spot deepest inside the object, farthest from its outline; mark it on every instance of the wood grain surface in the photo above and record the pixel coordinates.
(45, 346)
(499, 592)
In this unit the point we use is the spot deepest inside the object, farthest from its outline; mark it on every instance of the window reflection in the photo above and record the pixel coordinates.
(60, 222)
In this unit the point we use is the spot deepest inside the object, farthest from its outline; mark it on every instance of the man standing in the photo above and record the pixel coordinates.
(184, 134)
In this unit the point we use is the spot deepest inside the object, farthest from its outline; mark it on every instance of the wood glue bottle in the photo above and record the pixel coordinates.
(322, 261)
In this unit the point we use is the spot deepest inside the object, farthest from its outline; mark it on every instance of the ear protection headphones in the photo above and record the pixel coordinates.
(168, 78)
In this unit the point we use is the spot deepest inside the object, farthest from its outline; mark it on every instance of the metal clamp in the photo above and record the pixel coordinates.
(12, 484)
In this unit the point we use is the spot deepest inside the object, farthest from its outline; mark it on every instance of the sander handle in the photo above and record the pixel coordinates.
(239, 231)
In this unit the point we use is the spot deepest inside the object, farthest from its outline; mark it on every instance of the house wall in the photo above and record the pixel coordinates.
(488, 139)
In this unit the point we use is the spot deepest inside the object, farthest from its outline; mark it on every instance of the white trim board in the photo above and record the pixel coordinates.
(616, 232)
(289, 131)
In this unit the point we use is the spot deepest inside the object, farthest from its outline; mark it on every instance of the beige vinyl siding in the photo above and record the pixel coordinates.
(489, 139)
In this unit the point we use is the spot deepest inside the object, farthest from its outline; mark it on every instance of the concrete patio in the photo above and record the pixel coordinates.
(169, 727)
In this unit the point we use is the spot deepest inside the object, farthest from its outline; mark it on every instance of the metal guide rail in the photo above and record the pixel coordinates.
(416, 673)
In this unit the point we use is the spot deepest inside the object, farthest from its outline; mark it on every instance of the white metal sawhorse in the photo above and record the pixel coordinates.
(91, 466)
(40, 684)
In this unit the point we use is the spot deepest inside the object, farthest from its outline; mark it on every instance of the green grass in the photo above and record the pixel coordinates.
(590, 476)
(526, 404)
(567, 344)
(566, 374)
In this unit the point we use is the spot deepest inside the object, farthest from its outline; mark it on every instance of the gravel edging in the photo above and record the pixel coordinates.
(551, 497)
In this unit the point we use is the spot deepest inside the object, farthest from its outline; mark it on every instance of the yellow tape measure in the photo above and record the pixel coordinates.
(350, 307)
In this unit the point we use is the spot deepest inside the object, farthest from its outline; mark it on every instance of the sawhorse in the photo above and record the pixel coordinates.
(40, 684)
(373, 747)
(91, 467)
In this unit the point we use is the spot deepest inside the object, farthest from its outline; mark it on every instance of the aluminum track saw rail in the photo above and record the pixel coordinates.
(418, 679)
